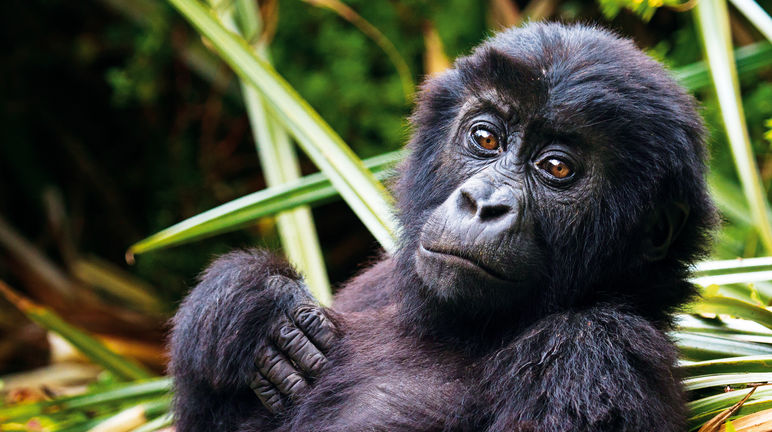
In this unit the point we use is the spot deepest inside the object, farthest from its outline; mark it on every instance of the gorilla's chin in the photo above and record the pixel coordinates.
(452, 276)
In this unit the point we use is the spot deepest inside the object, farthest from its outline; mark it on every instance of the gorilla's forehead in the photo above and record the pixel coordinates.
(578, 75)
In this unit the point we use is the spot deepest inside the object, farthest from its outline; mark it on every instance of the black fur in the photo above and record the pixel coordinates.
(579, 346)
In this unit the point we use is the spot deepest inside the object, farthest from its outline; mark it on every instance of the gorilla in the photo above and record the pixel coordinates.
(552, 203)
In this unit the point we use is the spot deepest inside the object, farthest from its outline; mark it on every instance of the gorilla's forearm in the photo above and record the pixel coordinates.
(249, 327)
(595, 370)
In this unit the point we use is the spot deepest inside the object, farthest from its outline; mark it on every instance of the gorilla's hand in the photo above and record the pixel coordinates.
(250, 322)
(294, 350)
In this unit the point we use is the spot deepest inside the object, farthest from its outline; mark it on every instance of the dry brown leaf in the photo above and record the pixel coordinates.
(714, 424)
(435, 60)
(503, 14)
(756, 422)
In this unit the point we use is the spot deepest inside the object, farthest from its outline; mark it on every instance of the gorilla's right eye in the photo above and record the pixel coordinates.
(486, 138)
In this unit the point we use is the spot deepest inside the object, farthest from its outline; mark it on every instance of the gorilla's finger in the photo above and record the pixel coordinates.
(293, 342)
(267, 393)
(315, 324)
(280, 371)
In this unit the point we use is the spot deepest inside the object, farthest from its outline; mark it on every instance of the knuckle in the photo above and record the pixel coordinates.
(287, 331)
(294, 384)
(308, 315)
(317, 362)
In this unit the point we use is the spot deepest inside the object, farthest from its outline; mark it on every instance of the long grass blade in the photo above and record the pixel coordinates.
(122, 393)
(350, 15)
(309, 190)
(713, 19)
(709, 268)
(123, 368)
(748, 364)
(695, 346)
(156, 424)
(364, 194)
(749, 59)
(722, 380)
(278, 159)
(714, 423)
(132, 418)
(756, 15)
(720, 305)
(704, 409)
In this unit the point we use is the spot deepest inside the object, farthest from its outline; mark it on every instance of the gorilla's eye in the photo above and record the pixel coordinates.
(556, 168)
(486, 139)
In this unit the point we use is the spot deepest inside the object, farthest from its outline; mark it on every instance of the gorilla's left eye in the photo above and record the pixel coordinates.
(486, 138)
(556, 168)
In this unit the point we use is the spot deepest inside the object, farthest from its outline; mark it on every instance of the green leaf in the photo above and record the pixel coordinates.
(312, 189)
(350, 15)
(697, 346)
(722, 380)
(127, 392)
(756, 15)
(280, 165)
(133, 417)
(706, 408)
(741, 265)
(364, 194)
(756, 363)
(123, 368)
(713, 19)
(749, 59)
(161, 422)
(720, 305)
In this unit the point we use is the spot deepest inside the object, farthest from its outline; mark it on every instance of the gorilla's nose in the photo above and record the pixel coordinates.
(484, 201)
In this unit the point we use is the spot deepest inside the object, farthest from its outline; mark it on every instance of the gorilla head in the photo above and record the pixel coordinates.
(547, 164)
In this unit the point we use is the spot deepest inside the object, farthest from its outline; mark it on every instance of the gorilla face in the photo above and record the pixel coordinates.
(550, 164)
(512, 165)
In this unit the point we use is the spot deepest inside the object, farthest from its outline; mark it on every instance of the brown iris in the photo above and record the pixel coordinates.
(486, 139)
(556, 168)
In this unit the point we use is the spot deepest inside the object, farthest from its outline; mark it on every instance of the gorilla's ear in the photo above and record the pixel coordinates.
(662, 228)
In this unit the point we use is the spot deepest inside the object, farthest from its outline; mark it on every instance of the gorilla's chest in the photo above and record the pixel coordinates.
(389, 384)
(399, 400)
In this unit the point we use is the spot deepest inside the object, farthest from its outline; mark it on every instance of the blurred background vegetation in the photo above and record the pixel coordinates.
(119, 120)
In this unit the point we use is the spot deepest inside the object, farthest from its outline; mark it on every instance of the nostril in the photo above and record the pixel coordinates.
(467, 202)
(493, 211)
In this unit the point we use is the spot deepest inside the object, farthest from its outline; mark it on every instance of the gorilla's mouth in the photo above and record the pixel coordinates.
(459, 259)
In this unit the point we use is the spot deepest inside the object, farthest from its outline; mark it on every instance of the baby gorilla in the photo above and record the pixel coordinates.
(552, 202)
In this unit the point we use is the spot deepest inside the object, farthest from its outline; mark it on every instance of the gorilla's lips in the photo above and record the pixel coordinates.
(459, 259)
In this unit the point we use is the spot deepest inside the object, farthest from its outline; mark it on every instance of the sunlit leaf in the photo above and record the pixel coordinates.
(279, 162)
(309, 190)
(714, 423)
(721, 380)
(713, 19)
(757, 363)
(756, 15)
(122, 367)
(720, 305)
(361, 191)
(695, 346)
(126, 392)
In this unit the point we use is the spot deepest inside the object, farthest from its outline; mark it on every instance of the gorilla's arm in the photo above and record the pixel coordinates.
(242, 331)
(596, 370)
